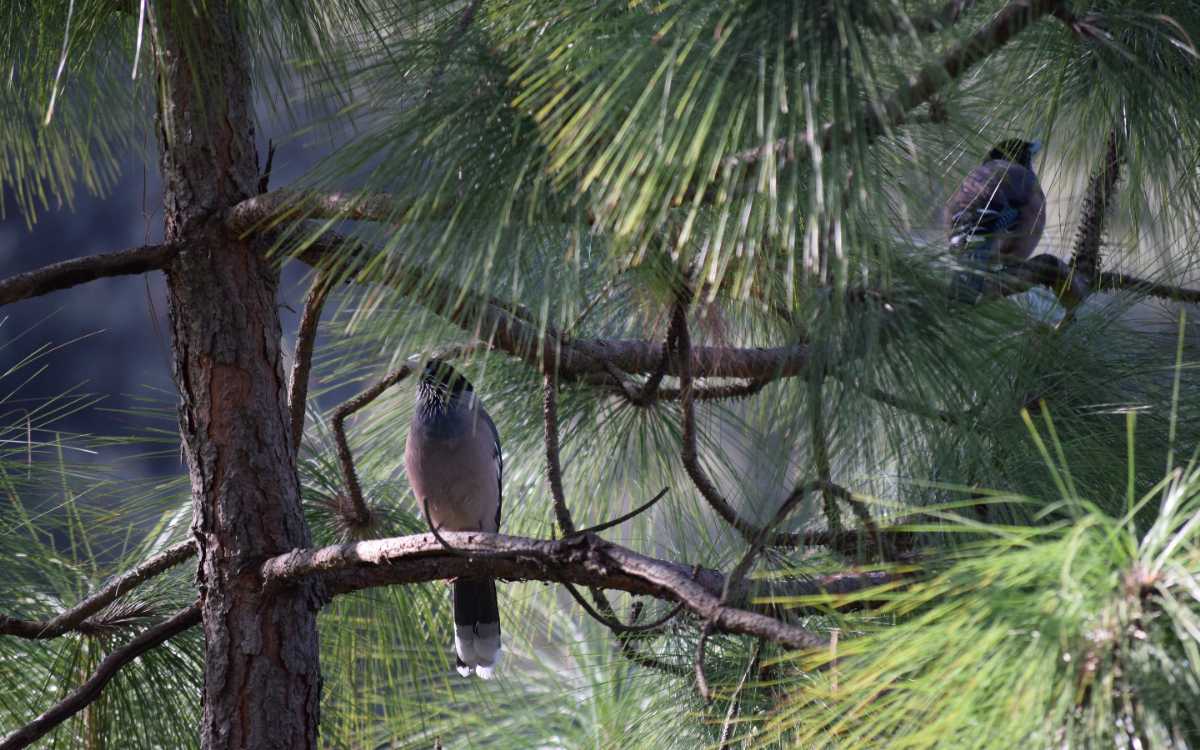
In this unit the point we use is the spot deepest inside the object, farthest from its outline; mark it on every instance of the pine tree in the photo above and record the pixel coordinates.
(692, 246)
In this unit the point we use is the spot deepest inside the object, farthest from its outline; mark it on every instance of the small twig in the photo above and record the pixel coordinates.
(622, 519)
(265, 180)
(76, 616)
(733, 582)
(562, 514)
(702, 680)
(819, 437)
(361, 512)
(649, 390)
(306, 337)
(86, 693)
(615, 625)
(726, 738)
(691, 457)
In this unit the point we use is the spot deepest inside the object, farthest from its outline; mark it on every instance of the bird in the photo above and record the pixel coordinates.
(997, 215)
(456, 467)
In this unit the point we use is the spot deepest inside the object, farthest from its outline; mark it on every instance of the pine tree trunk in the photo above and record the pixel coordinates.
(261, 673)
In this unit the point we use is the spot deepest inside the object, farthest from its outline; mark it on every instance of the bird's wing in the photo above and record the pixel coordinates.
(498, 460)
(988, 204)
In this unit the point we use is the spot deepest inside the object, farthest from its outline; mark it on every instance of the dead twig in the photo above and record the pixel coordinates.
(623, 518)
(306, 336)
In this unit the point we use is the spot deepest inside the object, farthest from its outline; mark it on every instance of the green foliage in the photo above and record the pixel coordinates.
(572, 157)
(1075, 634)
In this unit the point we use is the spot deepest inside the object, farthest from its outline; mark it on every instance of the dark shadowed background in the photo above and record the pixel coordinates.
(110, 337)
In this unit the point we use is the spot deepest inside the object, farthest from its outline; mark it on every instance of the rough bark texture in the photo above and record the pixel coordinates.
(261, 675)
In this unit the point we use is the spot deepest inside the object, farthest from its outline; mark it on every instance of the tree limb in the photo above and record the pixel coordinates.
(583, 560)
(539, 344)
(86, 693)
(75, 616)
(78, 271)
(268, 209)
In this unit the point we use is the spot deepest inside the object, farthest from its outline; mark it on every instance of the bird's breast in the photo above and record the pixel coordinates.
(454, 476)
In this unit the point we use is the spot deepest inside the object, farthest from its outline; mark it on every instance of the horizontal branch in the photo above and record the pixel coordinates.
(582, 560)
(267, 209)
(1109, 280)
(75, 616)
(78, 271)
(536, 344)
(109, 666)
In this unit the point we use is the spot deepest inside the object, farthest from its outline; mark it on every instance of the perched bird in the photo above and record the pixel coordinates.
(455, 468)
(997, 214)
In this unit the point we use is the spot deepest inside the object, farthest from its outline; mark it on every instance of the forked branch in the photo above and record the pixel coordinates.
(123, 584)
(582, 560)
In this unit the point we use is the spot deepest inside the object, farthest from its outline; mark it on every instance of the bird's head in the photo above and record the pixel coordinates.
(441, 384)
(1015, 150)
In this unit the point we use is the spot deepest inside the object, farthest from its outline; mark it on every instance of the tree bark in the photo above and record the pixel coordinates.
(261, 673)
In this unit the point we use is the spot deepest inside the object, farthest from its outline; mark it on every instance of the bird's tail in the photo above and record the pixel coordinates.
(476, 627)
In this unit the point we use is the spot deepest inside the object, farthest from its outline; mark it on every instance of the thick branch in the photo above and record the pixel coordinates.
(306, 337)
(109, 666)
(537, 344)
(582, 560)
(920, 88)
(78, 271)
(75, 616)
